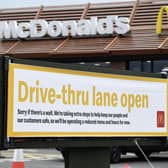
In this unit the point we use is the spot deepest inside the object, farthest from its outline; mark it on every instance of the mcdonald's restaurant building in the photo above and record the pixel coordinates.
(125, 35)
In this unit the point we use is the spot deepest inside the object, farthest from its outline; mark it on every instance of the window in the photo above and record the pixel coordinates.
(135, 66)
(158, 65)
(140, 66)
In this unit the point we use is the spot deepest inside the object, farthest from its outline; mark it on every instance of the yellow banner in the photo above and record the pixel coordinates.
(159, 19)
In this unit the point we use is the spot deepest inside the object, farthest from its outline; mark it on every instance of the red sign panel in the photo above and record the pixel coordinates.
(160, 119)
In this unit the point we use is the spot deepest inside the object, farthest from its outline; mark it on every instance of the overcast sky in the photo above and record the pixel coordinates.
(30, 3)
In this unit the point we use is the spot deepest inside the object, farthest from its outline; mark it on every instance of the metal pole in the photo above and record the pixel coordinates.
(141, 150)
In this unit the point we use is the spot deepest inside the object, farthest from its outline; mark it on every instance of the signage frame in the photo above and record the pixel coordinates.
(3, 102)
(62, 75)
(68, 142)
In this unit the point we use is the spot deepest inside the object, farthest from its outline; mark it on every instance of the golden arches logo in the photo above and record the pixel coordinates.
(159, 19)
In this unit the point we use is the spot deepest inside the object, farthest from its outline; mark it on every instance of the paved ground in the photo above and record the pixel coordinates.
(53, 159)
(32, 154)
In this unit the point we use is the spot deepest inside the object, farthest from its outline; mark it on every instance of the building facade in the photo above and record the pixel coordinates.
(140, 49)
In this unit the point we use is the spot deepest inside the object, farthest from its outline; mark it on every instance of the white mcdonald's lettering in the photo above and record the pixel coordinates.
(159, 19)
(85, 27)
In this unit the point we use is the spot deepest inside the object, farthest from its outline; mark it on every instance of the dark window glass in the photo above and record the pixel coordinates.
(135, 66)
(147, 66)
(158, 65)
(140, 66)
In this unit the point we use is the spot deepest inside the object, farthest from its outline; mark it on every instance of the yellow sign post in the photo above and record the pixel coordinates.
(159, 19)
